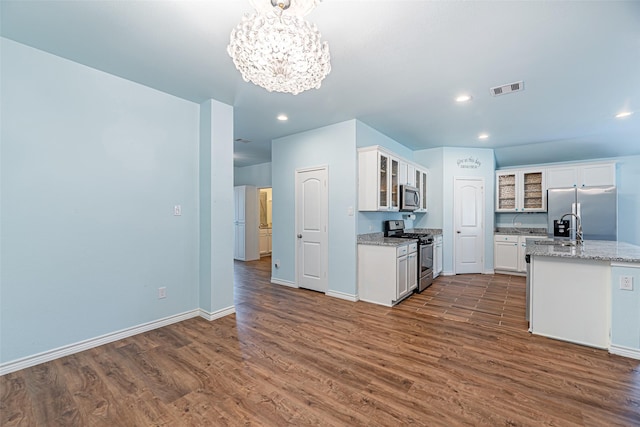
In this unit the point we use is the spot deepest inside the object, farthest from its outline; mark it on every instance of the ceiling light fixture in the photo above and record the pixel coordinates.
(283, 118)
(463, 98)
(277, 49)
(483, 136)
(624, 114)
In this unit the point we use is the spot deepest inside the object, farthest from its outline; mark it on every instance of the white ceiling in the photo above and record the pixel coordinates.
(396, 66)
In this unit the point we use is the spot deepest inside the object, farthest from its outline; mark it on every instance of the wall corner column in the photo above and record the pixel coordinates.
(216, 210)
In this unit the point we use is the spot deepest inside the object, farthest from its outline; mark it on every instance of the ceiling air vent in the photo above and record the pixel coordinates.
(508, 88)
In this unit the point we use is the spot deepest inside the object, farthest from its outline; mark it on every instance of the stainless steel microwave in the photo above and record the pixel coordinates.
(409, 198)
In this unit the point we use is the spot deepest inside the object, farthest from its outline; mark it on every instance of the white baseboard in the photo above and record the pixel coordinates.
(491, 271)
(216, 314)
(632, 353)
(56, 353)
(448, 273)
(283, 282)
(342, 295)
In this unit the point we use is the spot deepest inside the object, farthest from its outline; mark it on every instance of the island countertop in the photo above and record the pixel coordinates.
(600, 250)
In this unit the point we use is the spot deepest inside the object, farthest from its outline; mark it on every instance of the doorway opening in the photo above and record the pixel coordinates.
(265, 221)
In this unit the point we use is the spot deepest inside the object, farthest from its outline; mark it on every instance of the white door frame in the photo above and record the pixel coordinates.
(325, 220)
(483, 222)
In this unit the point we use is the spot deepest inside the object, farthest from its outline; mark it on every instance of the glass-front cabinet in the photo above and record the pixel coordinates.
(380, 175)
(421, 184)
(388, 184)
(520, 191)
(379, 180)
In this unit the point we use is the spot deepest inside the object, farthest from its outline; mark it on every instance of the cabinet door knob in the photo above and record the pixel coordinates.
(458, 231)
(299, 236)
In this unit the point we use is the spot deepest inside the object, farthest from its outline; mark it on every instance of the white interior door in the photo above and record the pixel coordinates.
(311, 229)
(468, 212)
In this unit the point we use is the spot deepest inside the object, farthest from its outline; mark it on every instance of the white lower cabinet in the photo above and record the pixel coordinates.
(239, 247)
(412, 265)
(509, 252)
(265, 241)
(386, 274)
(437, 255)
(505, 252)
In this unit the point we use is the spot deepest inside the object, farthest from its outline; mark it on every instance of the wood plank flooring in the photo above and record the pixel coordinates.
(456, 354)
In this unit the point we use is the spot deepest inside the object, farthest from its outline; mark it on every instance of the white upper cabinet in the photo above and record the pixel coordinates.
(421, 179)
(581, 175)
(411, 175)
(379, 180)
(380, 174)
(521, 190)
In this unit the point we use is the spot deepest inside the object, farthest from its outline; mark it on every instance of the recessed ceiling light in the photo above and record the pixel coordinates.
(624, 114)
(463, 98)
(283, 118)
(483, 136)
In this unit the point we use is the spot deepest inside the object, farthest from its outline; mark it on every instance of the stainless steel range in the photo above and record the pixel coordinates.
(395, 228)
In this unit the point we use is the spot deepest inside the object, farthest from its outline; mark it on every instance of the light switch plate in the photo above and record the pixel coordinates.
(177, 210)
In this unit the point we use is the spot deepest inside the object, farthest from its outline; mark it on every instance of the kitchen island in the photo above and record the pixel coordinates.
(571, 289)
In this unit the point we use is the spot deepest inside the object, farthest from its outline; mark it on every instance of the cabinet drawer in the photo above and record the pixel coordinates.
(401, 251)
(505, 238)
(413, 247)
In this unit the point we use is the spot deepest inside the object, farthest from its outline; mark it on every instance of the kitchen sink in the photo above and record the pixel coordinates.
(555, 242)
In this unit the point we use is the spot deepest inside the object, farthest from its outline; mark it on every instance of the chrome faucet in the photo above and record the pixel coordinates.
(579, 239)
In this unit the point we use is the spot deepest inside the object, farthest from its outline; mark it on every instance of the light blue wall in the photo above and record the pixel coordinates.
(92, 166)
(216, 207)
(451, 169)
(370, 222)
(628, 183)
(333, 146)
(433, 160)
(256, 175)
(522, 219)
(625, 308)
(367, 136)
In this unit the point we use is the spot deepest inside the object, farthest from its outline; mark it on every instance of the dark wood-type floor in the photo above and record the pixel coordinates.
(457, 354)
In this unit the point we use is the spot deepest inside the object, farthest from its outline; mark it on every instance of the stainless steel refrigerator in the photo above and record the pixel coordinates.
(596, 206)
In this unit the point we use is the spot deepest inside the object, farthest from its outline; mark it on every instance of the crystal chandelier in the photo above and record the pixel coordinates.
(276, 48)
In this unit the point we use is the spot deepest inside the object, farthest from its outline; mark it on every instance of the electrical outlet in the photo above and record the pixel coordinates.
(626, 283)
(277, 263)
(162, 292)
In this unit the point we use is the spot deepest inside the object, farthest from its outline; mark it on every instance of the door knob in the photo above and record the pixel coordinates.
(458, 231)
(299, 236)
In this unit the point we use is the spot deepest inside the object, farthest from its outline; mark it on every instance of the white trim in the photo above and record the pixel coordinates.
(490, 271)
(283, 282)
(216, 314)
(633, 353)
(342, 295)
(56, 353)
(448, 273)
(376, 303)
(625, 264)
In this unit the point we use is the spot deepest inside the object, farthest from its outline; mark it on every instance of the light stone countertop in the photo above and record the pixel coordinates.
(521, 231)
(378, 239)
(434, 231)
(599, 250)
